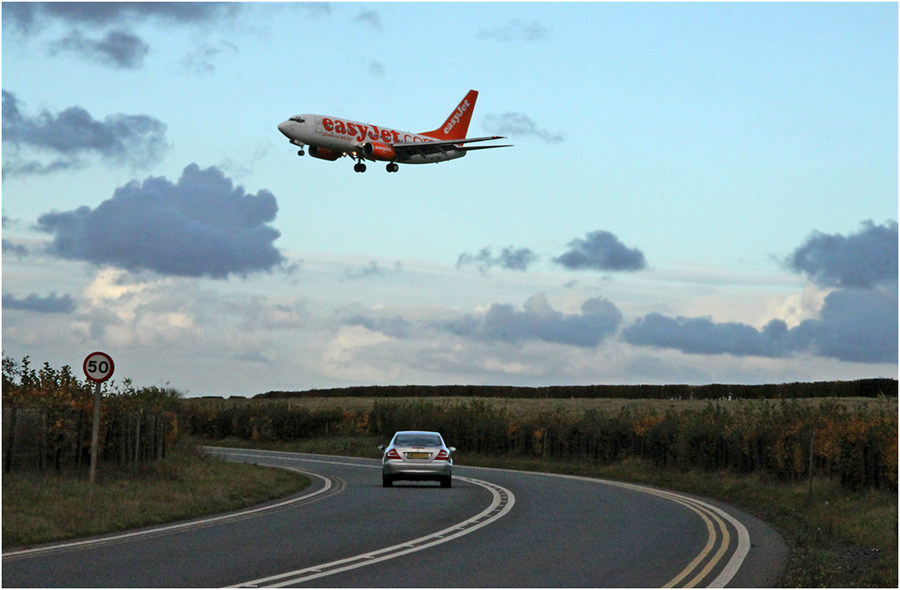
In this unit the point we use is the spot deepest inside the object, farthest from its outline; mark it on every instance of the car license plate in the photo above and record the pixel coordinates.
(417, 455)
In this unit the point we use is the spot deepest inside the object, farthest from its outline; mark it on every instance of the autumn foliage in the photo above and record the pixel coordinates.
(48, 415)
(854, 443)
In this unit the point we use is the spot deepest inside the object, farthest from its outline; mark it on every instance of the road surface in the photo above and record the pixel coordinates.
(493, 528)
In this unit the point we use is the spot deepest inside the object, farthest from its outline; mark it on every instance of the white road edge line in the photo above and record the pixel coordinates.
(175, 527)
(365, 559)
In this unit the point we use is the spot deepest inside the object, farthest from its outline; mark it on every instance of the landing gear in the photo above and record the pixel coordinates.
(393, 167)
(359, 167)
(301, 153)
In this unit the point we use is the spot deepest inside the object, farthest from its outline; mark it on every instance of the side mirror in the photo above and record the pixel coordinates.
(381, 447)
(452, 449)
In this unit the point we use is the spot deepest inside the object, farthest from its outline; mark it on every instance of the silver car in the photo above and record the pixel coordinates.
(417, 455)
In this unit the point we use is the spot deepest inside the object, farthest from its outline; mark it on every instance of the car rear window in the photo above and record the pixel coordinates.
(417, 440)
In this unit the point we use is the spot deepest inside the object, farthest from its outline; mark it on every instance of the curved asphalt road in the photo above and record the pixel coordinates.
(494, 528)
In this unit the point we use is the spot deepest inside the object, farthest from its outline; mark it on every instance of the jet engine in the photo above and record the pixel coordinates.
(323, 153)
(379, 151)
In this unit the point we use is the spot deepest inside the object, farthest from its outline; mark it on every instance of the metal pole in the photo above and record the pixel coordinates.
(95, 438)
(812, 446)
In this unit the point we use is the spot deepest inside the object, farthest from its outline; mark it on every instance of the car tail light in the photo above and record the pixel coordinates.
(393, 454)
(443, 455)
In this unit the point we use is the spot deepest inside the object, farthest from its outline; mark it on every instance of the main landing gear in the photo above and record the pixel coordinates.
(360, 167)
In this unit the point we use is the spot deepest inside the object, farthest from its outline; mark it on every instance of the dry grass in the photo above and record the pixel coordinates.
(40, 508)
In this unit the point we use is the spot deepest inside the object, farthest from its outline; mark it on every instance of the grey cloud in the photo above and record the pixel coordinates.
(200, 226)
(863, 259)
(515, 30)
(377, 69)
(50, 304)
(857, 322)
(18, 250)
(601, 250)
(538, 321)
(371, 18)
(116, 48)
(854, 325)
(519, 126)
(203, 58)
(700, 336)
(510, 258)
(371, 270)
(26, 16)
(137, 140)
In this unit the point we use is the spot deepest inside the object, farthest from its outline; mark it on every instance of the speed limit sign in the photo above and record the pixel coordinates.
(98, 367)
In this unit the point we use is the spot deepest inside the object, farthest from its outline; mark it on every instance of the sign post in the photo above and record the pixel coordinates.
(98, 367)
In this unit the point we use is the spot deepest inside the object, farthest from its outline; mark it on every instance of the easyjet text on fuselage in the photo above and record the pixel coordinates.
(361, 132)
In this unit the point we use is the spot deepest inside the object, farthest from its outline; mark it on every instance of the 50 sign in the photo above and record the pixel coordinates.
(98, 367)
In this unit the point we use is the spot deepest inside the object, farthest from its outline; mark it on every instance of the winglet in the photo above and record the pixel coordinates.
(457, 124)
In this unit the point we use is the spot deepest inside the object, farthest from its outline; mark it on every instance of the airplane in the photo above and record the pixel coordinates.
(330, 138)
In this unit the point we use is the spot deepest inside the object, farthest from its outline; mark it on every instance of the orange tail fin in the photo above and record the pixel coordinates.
(457, 124)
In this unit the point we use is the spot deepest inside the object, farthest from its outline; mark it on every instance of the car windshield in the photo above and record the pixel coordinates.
(417, 440)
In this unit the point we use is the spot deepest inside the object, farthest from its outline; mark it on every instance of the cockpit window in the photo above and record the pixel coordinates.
(297, 118)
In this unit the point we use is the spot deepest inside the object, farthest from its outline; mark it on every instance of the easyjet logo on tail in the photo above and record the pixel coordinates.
(462, 108)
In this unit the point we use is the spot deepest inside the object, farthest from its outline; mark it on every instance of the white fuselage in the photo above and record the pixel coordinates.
(351, 137)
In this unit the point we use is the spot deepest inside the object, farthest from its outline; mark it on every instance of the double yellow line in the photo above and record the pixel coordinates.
(713, 524)
(719, 539)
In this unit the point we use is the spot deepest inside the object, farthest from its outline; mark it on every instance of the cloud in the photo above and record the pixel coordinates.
(25, 17)
(200, 226)
(601, 250)
(854, 325)
(38, 304)
(118, 48)
(510, 258)
(857, 321)
(862, 260)
(519, 126)
(202, 59)
(515, 30)
(10, 247)
(370, 18)
(538, 321)
(371, 270)
(136, 140)
(701, 336)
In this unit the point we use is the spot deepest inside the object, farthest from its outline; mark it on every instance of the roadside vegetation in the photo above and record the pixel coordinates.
(53, 506)
(822, 470)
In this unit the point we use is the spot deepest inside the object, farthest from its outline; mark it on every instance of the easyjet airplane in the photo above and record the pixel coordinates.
(330, 138)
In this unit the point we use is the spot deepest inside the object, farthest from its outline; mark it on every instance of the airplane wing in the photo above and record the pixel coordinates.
(431, 147)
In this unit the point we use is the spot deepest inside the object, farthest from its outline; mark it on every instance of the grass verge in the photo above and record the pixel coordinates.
(41, 508)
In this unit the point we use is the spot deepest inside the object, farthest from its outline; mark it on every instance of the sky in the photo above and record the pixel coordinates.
(696, 193)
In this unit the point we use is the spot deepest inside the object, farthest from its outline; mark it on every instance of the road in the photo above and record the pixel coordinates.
(493, 528)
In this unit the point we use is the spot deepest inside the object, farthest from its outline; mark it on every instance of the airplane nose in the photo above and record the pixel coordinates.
(283, 127)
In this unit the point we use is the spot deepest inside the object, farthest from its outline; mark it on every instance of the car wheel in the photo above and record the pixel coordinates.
(447, 482)
(387, 481)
